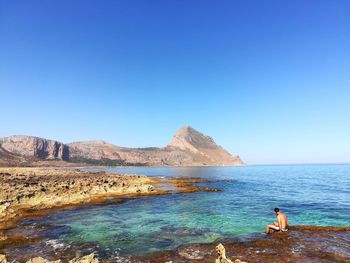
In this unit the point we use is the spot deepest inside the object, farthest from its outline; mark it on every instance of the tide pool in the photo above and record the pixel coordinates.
(308, 194)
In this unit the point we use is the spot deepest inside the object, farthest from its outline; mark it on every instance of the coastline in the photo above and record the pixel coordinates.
(35, 192)
(28, 189)
(301, 244)
(259, 249)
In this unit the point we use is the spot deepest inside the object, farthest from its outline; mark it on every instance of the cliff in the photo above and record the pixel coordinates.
(188, 147)
(29, 146)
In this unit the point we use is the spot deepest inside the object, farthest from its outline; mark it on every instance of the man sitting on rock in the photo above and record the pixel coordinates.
(280, 225)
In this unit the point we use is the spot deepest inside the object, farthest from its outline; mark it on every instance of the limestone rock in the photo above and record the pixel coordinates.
(188, 147)
(86, 259)
(39, 188)
(94, 150)
(30, 146)
(201, 148)
(220, 250)
(3, 259)
(42, 260)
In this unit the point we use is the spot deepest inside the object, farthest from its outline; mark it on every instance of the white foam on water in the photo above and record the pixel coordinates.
(55, 243)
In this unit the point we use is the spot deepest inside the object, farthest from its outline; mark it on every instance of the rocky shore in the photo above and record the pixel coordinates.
(31, 192)
(302, 244)
(34, 192)
(27, 189)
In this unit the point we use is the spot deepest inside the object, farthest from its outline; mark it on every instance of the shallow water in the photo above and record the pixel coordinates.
(308, 194)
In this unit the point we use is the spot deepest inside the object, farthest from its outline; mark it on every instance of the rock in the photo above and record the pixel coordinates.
(30, 146)
(220, 250)
(188, 147)
(94, 150)
(201, 148)
(86, 259)
(40, 188)
(3, 259)
(42, 260)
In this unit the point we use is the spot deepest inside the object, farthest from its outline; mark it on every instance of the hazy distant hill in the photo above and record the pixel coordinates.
(188, 147)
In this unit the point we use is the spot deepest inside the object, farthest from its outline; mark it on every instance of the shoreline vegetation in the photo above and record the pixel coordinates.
(35, 192)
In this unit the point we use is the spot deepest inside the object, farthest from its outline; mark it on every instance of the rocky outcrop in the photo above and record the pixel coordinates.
(86, 259)
(35, 188)
(221, 251)
(187, 148)
(30, 146)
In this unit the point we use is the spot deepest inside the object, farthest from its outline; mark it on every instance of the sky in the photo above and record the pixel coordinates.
(268, 80)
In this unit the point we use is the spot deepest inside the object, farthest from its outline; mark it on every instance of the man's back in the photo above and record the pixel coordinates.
(282, 221)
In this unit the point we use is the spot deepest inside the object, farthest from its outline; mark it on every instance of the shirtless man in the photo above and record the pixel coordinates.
(280, 225)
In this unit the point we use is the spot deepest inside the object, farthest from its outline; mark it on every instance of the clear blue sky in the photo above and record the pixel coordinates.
(269, 80)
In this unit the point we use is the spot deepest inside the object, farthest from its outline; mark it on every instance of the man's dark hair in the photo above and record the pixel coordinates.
(277, 210)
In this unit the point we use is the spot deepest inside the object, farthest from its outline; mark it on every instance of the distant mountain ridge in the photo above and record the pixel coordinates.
(188, 147)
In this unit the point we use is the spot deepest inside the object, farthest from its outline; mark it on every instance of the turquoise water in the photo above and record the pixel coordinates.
(308, 194)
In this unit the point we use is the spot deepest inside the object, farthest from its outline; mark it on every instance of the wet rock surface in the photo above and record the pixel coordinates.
(316, 244)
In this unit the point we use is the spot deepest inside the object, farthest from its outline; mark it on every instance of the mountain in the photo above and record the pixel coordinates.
(203, 149)
(31, 146)
(188, 147)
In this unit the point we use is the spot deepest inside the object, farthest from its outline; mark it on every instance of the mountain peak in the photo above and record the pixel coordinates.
(202, 147)
(187, 138)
